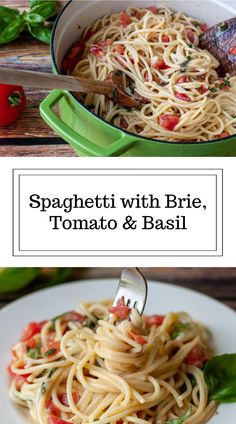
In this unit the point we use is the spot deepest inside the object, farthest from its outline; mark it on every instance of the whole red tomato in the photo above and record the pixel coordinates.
(12, 103)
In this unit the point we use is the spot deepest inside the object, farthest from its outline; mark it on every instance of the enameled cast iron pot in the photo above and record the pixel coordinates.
(90, 135)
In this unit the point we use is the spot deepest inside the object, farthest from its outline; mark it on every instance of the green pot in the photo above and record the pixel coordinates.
(90, 135)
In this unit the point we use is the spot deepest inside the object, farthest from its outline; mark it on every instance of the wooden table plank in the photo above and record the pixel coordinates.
(28, 53)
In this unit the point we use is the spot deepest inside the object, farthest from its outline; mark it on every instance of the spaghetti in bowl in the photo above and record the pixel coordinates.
(183, 99)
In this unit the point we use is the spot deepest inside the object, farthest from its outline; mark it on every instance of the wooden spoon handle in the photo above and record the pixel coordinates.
(50, 81)
(220, 40)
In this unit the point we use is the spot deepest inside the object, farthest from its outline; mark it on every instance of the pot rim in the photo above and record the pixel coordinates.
(58, 71)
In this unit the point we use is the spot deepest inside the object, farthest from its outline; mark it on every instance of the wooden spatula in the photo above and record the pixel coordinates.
(111, 88)
(220, 40)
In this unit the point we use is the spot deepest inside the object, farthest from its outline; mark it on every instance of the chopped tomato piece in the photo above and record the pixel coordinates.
(223, 135)
(72, 58)
(121, 312)
(125, 19)
(52, 419)
(74, 316)
(50, 349)
(31, 343)
(233, 50)
(52, 408)
(119, 422)
(183, 96)
(153, 9)
(168, 122)
(138, 338)
(159, 64)
(202, 89)
(105, 43)
(97, 51)
(10, 372)
(120, 49)
(146, 76)
(182, 79)
(123, 124)
(19, 381)
(31, 329)
(204, 27)
(88, 35)
(165, 39)
(197, 357)
(64, 400)
(154, 320)
(136, 14)
(201, 77)
(193, 38)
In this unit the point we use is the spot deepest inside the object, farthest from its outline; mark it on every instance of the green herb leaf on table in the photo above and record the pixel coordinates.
(7, 14)
(12, 31)
(179, 420)
(33, 18)
(41, 33)
(34, 3)
(220, 377)
(46, 10)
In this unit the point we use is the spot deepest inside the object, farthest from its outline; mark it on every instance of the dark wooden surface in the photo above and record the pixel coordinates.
(29, 136)
(219, 283)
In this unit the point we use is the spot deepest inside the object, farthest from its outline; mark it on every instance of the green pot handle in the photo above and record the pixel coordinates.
(76, 140)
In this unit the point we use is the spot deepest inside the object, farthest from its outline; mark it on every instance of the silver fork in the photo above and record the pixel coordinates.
(133, 288)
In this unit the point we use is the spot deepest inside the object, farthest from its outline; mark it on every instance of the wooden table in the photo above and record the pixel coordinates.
(219, 283)
(29, 136)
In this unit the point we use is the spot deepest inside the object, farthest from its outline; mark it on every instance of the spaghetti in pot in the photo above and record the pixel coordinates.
(110, 365)
(157, 50)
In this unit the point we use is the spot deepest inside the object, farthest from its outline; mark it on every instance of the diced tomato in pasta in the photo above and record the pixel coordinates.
(153, 9)
(204, 27)
(52, 419)
(105, 43)
(121, 312)
(159, 64)
(223, 135)
(136, 14)
(74, 316)
(138, 338)
(97, 51)
(72, 58)
(197, 357)
(182, 79)
(183, 96)
(54, 347)
(52, 408)
(123, 124)
(202, 89)
(233, 50)
(193, 38)
(168, 122)
(19, 381)
(120, 49)
(31, 329)
(31, 343)
(125, 19)
(88, 35)
(64, 399)
(154, 320)
(165, 39)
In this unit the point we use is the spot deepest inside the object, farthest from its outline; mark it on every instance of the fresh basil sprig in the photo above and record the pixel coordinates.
(12, 23)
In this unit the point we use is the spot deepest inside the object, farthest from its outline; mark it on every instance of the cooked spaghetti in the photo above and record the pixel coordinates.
(110, 365)
(183, 99)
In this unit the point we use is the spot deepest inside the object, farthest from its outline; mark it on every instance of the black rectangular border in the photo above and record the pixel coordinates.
(113, 174)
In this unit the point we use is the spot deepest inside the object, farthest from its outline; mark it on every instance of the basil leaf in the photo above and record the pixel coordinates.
(220, 377)
(179, 329)
(12, 31)
(41, 33)
(50, 352)
(34, 18)
(43, 388)
(33, 353)
(179, 420)
(7, 14)
(47, 9)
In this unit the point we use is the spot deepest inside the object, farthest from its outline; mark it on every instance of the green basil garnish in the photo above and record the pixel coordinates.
(50, 352)
(33, 353)
(179, 420)
(179, 328)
